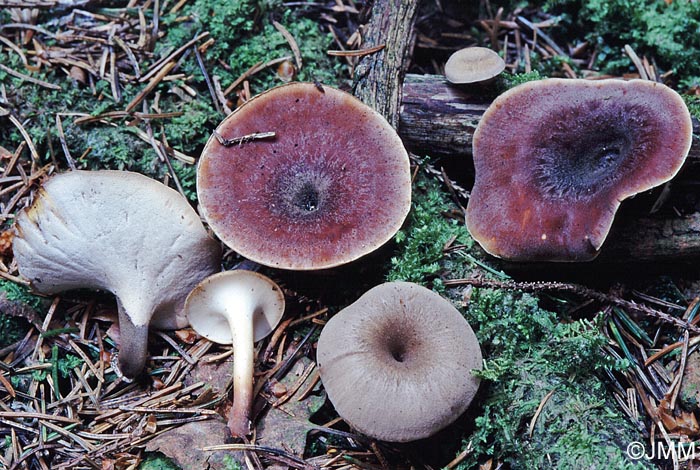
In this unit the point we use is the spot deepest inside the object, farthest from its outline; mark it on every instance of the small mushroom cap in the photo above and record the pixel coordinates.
(554, 158)
(333, 184)
(209, 308)
(397, 363)
(473, 65)
(117, 231)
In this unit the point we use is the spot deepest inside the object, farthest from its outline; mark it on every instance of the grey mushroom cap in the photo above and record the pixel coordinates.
(397, 364)
(473, 65)
(120, 232)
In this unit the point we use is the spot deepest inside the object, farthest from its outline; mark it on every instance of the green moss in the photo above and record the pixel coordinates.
(420, 244)
(12, 329)
(511, 80)
(20, 293)
(245, 36)
(668, 33)
(157, 461)
(693, 103)
(530, 352)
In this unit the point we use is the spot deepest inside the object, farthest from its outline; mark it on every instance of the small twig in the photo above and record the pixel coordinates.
(257, 448)
(64, 144)
(637, 63)
(176, 347)
(535, 29)
(151, 85)
(291, 41)
(356, 52)
(243, 139)
(533, 421)
(171, 57)
(252, 71)
(27, 138)
(576, 289)
(207, 79)
(27, 78)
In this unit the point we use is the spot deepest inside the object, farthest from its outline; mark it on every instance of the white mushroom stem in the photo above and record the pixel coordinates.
(251, 305)
(240, 311)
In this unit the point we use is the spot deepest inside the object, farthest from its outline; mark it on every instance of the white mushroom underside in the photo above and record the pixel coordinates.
(117, 231)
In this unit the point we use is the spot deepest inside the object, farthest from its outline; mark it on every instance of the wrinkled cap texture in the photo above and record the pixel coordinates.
(212, 313)
(554, 158)
(332, 185)
(473, 65)
(117, 231)
(397, 364)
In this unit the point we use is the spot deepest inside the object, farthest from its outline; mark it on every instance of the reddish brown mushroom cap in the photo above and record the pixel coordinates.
(554, 158)
(332, 185)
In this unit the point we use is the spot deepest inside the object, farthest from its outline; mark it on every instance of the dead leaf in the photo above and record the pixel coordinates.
(184, 445)
(286, 427)
(6, 237)
(216, 374)
(682, 422)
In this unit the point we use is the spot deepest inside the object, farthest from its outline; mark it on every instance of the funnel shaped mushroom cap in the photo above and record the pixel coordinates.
(473, 65)
(212, 314)
(397, 363)
(331, 186)
(121, 232)
(554, 158)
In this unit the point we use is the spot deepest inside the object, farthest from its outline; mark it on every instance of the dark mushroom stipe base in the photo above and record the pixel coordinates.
(554, 158)
(133, 345)
(330, 187)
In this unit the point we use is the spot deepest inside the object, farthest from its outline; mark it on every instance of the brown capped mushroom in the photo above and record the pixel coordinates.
(554, 158)
(237, 307)
(473, 65)
(397, 364)
(331, 185)
(120, 232)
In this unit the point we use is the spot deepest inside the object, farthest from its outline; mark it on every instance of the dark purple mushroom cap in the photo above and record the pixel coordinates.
(397, 364)
(333, 184)
(554, 158)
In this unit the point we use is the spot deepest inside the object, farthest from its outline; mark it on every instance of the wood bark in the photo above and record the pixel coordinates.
(379, 76)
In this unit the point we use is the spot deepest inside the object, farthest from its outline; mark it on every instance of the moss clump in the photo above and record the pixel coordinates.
(530, 352)
(420, 244)
(244, 36)
(666, 32)
(693, 103)
(18, 293)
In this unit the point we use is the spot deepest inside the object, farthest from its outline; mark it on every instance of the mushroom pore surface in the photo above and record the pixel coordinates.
(397, 363)
(332, 185)
(554, 158)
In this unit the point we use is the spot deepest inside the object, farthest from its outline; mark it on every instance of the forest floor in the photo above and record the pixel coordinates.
(577, 369)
